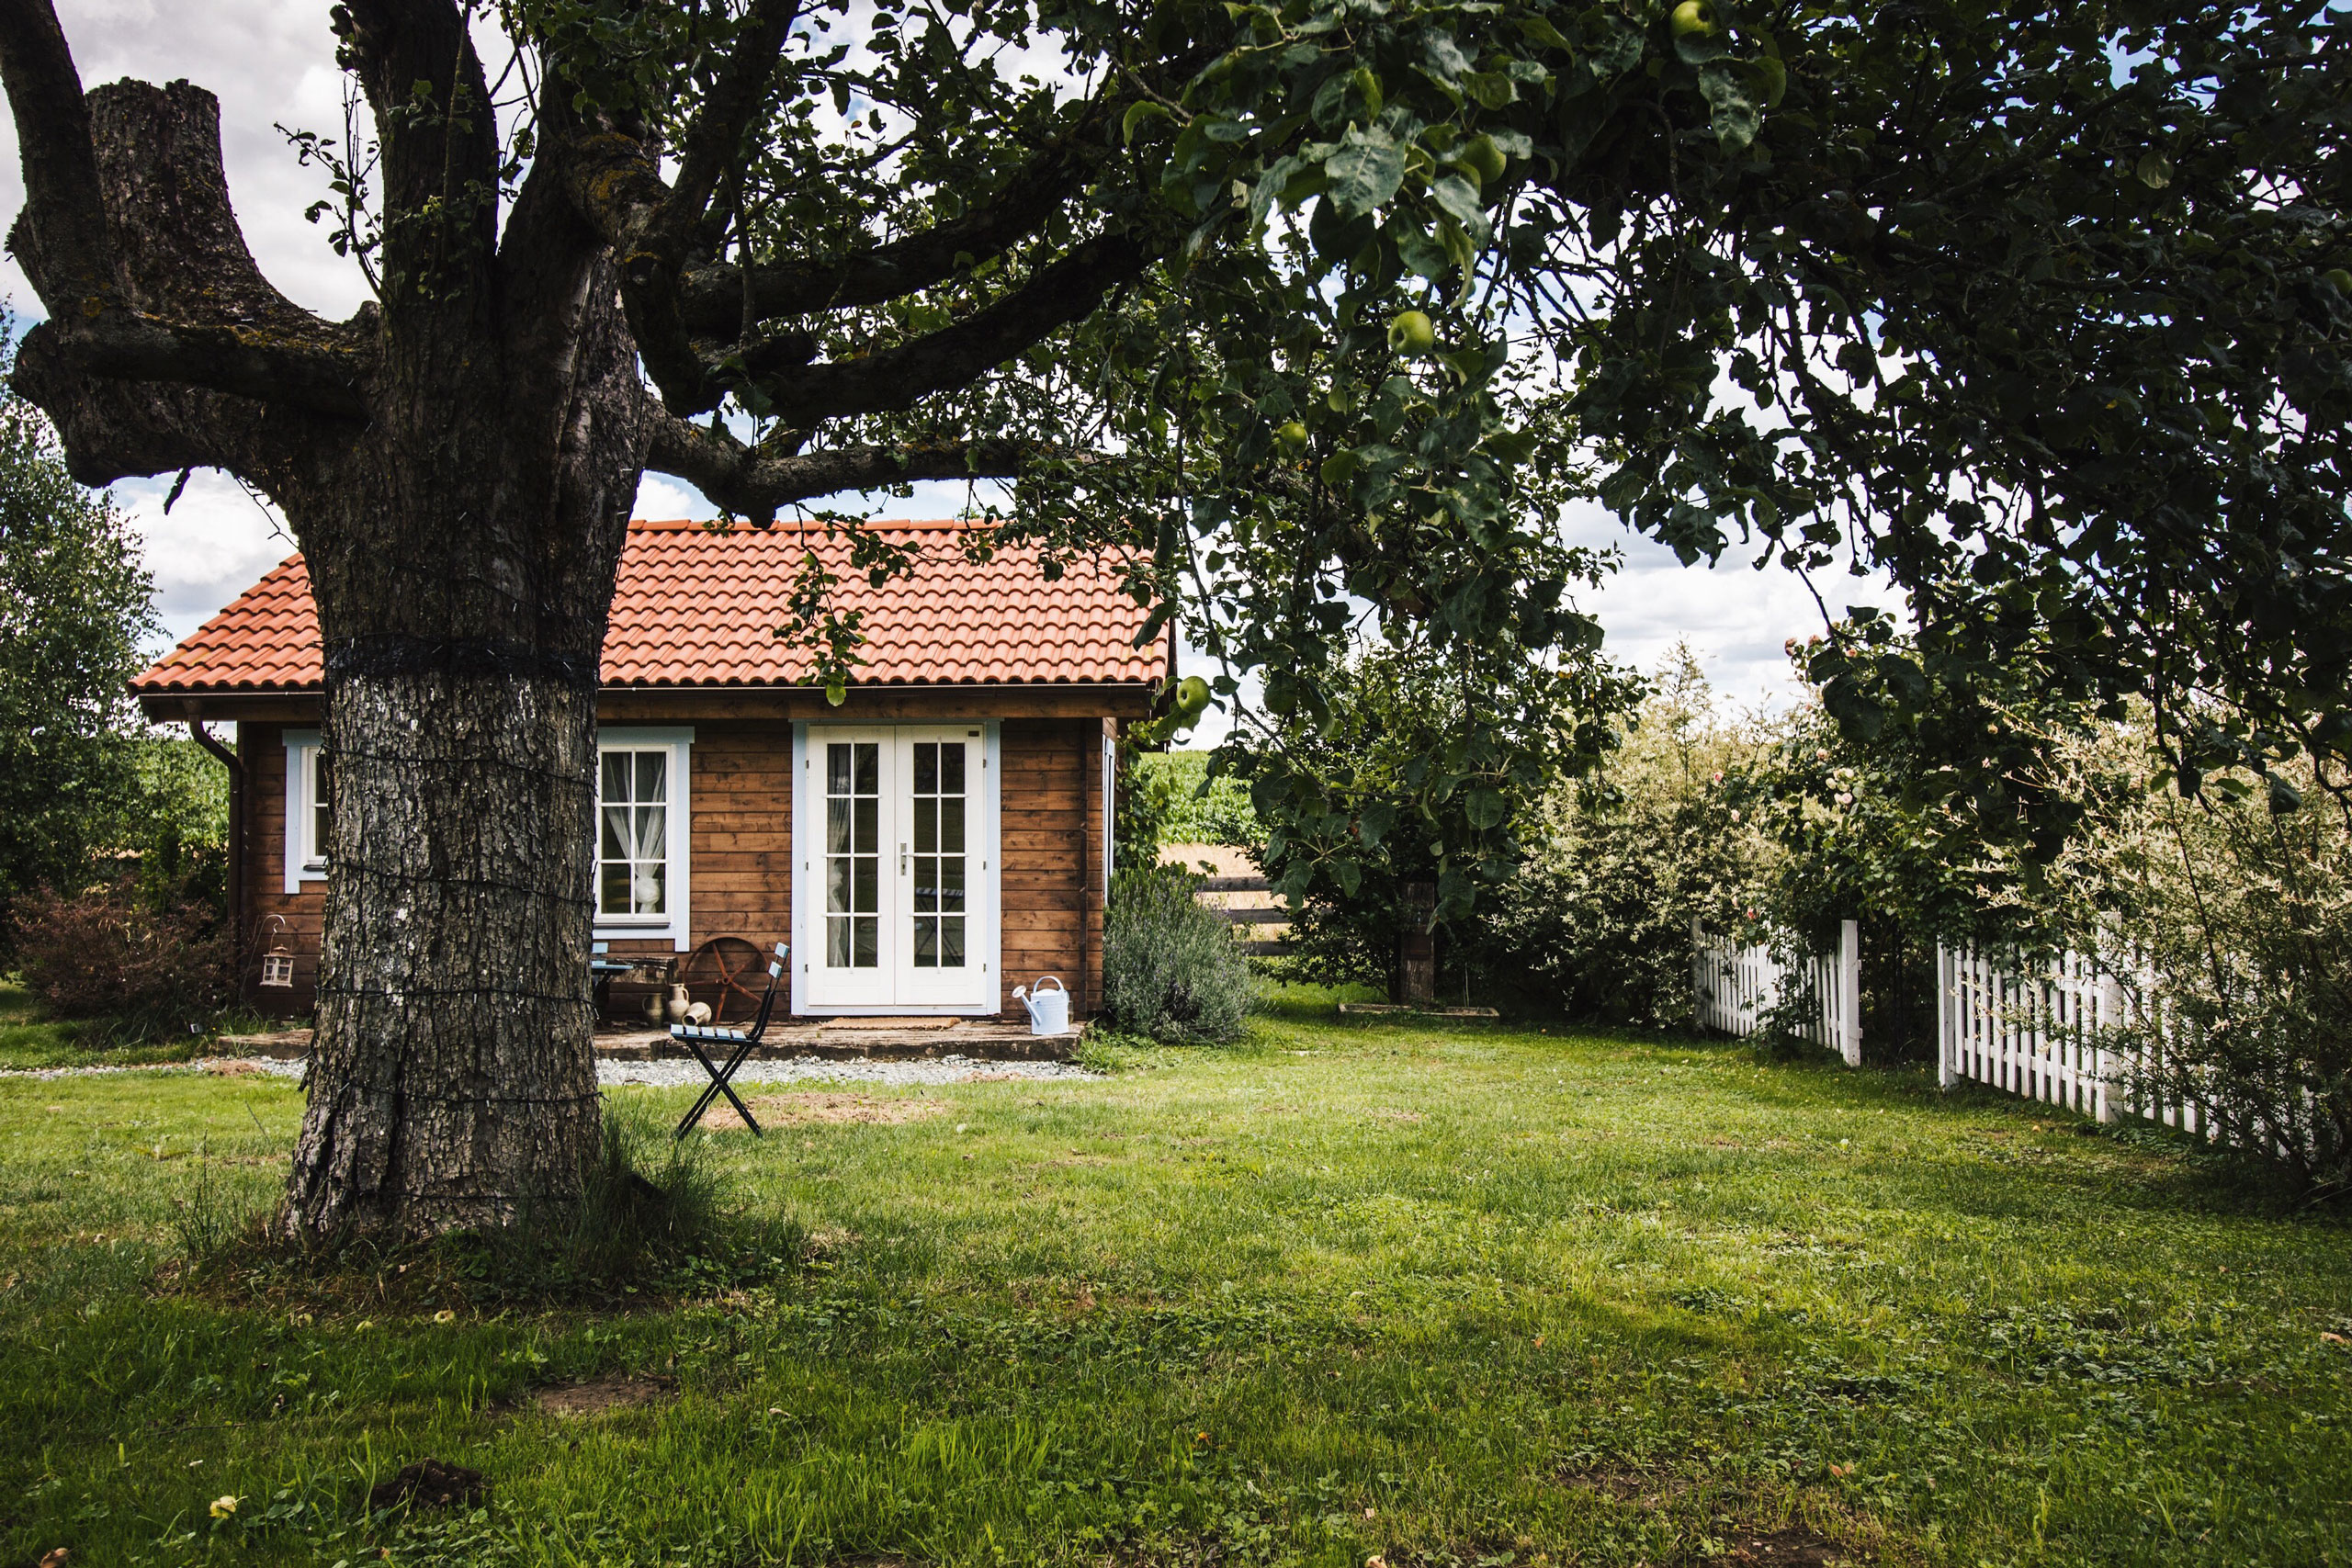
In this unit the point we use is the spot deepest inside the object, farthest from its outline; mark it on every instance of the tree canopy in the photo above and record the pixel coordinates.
(1325, 307)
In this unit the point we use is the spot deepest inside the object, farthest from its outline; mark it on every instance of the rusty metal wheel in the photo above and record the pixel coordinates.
(728, 973)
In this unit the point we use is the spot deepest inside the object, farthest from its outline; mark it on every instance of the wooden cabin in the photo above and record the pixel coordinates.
(973, 762)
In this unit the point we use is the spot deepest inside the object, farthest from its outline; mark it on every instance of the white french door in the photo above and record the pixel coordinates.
(895, 900)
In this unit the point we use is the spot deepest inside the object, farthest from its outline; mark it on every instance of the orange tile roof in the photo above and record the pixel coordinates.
(698, 607)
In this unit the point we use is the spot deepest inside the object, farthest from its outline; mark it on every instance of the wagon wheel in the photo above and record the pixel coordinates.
(724, 971)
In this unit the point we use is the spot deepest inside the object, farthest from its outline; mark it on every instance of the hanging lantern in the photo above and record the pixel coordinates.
(278, 963)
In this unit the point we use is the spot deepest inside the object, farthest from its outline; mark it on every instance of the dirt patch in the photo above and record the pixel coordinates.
(229, 1068)
(1792, 1547)
(816, 1109)
(618, 1391)
(1645, 1488)
(429, 1483)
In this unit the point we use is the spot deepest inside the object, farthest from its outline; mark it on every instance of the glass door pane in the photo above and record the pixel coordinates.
(853, 854)
(939, 801)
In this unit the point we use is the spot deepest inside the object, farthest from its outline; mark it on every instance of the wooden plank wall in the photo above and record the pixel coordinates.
(1047, 767)
(741, 853)
(262, 749)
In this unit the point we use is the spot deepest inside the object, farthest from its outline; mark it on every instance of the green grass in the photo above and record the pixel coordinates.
(1471, 1295)
(29, 1041)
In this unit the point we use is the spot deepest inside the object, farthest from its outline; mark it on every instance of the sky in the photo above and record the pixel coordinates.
(271, 63)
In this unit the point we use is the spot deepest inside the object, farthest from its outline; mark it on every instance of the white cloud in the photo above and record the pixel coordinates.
(1734, 617)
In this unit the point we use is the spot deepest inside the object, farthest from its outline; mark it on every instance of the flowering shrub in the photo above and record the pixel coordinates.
(156, 965)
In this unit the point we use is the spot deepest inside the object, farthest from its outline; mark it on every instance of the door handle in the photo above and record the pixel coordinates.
(902, 860)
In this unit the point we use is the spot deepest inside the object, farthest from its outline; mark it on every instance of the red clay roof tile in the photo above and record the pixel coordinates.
(698, 607)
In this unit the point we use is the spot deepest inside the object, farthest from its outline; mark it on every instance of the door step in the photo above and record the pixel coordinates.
(875, 1039)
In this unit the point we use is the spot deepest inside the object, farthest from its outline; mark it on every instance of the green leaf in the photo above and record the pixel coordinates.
(1491, 88)
(1485, 808)
(1423, 256)
(1136, 115)
(1541, 31)
(1459, 199)
(1736, 117)
(1364, 172)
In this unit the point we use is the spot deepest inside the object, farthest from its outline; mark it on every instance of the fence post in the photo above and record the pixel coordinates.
(2111, 1013)
(1697, 976)
(1945, 1076)
(1849, 991)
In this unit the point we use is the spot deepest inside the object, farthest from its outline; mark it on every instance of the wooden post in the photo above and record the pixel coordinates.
(1946, 1009)
(1417, 945)
(1849, 992)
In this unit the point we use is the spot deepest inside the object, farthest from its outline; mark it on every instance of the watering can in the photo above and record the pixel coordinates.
(1048, 1010)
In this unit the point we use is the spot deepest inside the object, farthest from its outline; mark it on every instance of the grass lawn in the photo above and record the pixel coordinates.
(1479, 1296)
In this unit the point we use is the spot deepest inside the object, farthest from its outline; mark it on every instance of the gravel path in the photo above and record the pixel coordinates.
(667, 1074)
(813, 1070)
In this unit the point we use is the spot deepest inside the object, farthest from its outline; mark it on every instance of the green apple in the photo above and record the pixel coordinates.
(1695, 19)
(1411, 332)
(2338, 279)
(1192, 696)
(1292, 434)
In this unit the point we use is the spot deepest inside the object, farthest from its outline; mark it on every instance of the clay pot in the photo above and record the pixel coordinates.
(678, 1004)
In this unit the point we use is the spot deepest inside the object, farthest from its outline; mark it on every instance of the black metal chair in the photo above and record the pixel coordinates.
(741, 1040)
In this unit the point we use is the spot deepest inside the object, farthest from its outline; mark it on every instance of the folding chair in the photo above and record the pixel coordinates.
(694, 1039)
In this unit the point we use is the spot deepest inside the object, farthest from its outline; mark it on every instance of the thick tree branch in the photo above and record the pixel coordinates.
(899, 378)
(713, 296)
(61, 238)
(245, 362)
(713, 144)
(129, 235)
(743, 481)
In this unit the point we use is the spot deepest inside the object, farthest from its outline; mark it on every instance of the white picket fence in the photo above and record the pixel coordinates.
(2040, 1035)
(1734, 986)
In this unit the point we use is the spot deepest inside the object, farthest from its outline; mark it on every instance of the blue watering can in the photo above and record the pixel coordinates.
(1048, 1010)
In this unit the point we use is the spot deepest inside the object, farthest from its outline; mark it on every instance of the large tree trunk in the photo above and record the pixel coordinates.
(465, 564)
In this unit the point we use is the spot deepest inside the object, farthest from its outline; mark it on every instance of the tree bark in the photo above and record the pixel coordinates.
(464, 564)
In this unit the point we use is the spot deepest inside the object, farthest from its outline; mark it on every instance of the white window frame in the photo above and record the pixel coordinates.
(677, 924)
(984, 940)
(305, 860)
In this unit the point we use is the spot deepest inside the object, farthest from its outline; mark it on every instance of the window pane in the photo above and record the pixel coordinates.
(649, 886)
(321, 830)
(926, 769)
(613, 842)
(951, 825)
(837, 768)
(612, 888)
(652, 832)
(926, 827)
(950, 941)
(869, 833)
(615, 775)
(926, 884)
(837, 827)
(837, 943)
(837, 885)
(868, 766)
(862, 943)
(951, 882)
(951, 768)
(652, 775)
(865, 885)
(926, 945)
